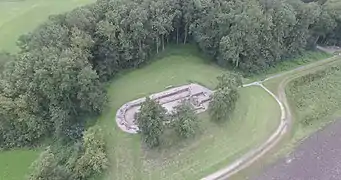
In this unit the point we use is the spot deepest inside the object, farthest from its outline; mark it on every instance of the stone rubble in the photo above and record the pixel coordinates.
(198, 95)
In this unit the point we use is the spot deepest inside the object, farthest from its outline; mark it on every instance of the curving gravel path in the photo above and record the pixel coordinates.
(248, 158)
(286, 119)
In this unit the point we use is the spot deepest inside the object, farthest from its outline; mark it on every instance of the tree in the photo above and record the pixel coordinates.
(224, 98)
(185, 120)
(222, 104)
(229, 80)
(150, 121)
(58, 76)
(94, 160)
(332, 9)
(46, 167)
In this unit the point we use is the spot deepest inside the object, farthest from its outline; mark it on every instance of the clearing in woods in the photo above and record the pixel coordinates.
(213, 148)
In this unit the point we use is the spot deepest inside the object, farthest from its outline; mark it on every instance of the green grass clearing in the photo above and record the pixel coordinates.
(314, 98)
(215, 146)
(22, 16)
(15, 164)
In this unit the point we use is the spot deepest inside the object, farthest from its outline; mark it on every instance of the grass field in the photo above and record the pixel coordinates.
(297, 132)
(315, 99)
(18, 17)
(213, 148)
(14, 164)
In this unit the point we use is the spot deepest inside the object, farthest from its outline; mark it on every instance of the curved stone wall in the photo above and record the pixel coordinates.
(169, 98)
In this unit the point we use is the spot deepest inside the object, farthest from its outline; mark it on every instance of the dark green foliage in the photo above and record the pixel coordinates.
(326, 30)
(185, 120)
(58, 76)
(46, 167)
(57, 79)
(222, 104)
(81, 160)
(150, 121)
(225, 97)
(229, 80)
(94, 159)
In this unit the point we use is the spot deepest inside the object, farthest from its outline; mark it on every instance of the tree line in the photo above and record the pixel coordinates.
(57, 79)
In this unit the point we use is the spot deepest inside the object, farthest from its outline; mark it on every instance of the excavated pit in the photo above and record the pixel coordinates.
(198, 96)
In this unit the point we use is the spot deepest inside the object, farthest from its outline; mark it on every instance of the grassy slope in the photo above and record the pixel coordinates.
(17, 18)
(315, 103)
(313, 95)
(20, 17)
(290, 141)
(14, 164)
(213, 148)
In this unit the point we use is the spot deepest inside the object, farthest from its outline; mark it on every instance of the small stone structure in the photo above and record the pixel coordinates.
(198, 96)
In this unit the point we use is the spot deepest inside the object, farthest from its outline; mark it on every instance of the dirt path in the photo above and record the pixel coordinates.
(285, 124)
(254, 154)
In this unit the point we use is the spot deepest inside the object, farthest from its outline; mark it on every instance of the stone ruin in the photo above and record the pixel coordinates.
(197, 95)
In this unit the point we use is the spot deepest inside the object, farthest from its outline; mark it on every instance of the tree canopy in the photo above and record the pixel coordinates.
(81, 160)
(58, 76)
(225, 97)
(150, 121)
(185, 120)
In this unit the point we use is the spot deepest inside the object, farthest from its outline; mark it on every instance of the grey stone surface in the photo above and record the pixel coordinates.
(198, 95)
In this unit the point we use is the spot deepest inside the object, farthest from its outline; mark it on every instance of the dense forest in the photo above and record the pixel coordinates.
(57, 79)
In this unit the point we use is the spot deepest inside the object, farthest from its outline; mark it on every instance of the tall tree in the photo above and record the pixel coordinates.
(94, 160)
(224, 98)
(185, 120)
(150, 121)
(46, 167)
